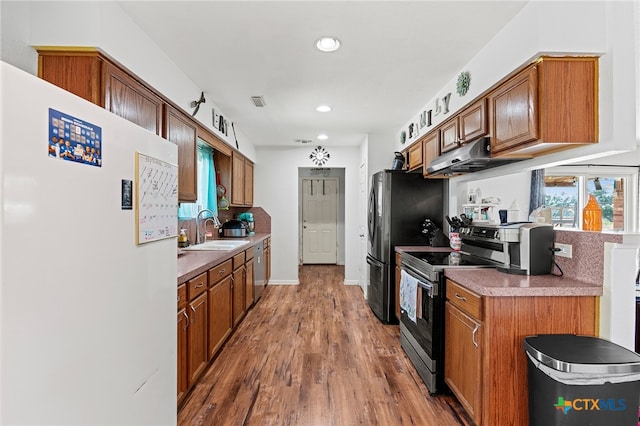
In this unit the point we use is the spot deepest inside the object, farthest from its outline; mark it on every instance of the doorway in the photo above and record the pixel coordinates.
(321, 216)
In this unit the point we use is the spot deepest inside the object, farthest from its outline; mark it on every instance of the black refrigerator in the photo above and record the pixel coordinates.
(398, 204)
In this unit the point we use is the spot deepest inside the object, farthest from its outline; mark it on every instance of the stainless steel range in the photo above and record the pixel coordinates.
(512, 248)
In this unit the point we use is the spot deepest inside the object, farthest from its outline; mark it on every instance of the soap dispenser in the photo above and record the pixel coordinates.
(183, 240)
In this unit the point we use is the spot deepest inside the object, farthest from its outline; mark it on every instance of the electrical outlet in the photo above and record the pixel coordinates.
(563, 250)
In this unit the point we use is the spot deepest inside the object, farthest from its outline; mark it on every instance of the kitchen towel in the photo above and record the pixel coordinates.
(408, 294)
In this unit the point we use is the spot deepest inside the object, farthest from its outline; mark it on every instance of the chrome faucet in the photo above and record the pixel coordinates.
(213, 218)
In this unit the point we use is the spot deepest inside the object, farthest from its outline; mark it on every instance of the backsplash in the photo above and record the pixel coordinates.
(261, 219)
(587, 263)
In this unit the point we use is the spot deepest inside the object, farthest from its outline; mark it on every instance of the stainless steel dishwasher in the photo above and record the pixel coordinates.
(259, 270)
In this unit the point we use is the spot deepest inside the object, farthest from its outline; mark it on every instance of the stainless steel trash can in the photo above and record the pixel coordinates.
(581, 380)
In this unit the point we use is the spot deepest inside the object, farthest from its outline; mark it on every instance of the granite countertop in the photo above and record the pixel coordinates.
(193, 263)
(491, 282)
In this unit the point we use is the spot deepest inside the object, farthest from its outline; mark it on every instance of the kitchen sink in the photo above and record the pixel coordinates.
(218, 245)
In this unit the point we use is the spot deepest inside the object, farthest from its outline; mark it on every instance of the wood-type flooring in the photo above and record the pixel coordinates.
(315, 355)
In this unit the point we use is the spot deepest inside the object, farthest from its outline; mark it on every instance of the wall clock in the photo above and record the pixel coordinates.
(319, 156)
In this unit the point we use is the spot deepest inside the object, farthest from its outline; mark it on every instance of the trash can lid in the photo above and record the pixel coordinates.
(581, 354)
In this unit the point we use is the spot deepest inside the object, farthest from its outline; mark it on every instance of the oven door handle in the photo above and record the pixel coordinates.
(431, 291)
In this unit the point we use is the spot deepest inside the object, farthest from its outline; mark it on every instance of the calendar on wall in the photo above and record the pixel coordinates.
(156, 199)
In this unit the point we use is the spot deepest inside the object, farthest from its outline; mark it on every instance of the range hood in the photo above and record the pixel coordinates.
(470, 157)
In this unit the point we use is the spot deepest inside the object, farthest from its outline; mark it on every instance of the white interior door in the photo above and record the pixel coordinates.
(319, 220)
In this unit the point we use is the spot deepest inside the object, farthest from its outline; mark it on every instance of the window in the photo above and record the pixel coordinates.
(614, 188)
(207, 198)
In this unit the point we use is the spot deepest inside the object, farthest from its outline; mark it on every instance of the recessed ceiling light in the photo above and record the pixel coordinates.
(328, 44)
(323, 108)
(323, 137)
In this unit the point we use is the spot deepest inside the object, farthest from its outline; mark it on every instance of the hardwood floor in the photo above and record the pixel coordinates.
(314, 354)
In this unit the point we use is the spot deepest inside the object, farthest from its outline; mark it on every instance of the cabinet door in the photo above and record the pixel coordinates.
(473, 121)
(267, 264)
(248, 183)
(430, 150)
(127, 98)
(197, 337)
(248, 285)
(462, 367)
(75, 72)
(183, 382)
(238, 295)
(220, 314)
(237, 179)
(449, 136)
(415, 156)
(180, 130)
(513, 109)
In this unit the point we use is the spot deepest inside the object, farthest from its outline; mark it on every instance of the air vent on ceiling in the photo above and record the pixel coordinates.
(302, 140)
(258, 101)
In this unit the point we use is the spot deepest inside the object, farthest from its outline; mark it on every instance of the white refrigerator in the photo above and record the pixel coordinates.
(87, 315)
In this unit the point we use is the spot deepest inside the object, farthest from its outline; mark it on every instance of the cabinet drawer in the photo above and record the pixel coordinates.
(464, 299)
(182, 296)
(218, 272)
(238, 260)
(197, 286)
(249, 253)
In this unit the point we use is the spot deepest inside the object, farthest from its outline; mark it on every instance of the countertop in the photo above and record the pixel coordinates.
(491, 282)
(193, 263)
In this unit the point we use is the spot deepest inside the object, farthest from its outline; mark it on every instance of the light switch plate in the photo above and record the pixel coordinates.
(565, 250)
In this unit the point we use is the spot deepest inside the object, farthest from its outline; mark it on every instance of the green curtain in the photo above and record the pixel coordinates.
(207, 194)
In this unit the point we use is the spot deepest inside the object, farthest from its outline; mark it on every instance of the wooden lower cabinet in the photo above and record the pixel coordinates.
(267, 260)
(248, 284)
(462, 366)
(239, 283)
(197, 338)
(220, 314)
(485, 362)
(183, 383)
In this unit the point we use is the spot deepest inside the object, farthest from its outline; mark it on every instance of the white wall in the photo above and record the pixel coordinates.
(601, 28)
(27, 24)
(276, 190)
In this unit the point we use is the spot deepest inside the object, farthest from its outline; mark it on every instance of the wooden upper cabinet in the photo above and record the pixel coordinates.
(248, 182)
(472, 121)
(468, 125)
(414, 155)
(128, 99)
(549, 106)
(514, 111)
(430, 150)
(449, 135)
(92, 76)
(241, 180)
(180, 130)
(77, 72)
(237, 179)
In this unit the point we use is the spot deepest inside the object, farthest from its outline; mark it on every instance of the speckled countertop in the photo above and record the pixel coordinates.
(491, 282)
(193, 263)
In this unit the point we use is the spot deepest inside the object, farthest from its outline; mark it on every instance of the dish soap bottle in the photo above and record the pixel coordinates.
(183, 241)
(592, 215)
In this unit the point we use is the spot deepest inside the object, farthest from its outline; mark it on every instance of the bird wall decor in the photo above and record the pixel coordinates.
(196, 104)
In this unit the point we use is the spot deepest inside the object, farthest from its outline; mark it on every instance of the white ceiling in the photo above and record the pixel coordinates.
(395, 57)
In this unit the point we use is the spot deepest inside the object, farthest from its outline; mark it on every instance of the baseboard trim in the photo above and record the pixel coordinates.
(284, 282)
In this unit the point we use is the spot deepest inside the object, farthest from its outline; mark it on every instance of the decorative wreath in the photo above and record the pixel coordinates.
(319, 156)
(464, 79)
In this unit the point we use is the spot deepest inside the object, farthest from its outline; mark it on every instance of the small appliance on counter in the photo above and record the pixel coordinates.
(247, 219)
(522, 248)
(233, 228)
